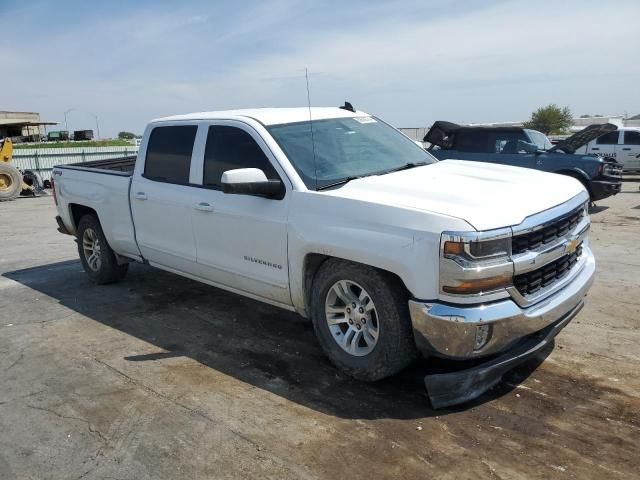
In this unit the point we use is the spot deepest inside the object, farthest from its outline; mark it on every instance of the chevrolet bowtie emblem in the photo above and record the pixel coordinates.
(572, 245)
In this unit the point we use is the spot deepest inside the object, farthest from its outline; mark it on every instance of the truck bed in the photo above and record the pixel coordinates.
(104, 187)
(121, 166)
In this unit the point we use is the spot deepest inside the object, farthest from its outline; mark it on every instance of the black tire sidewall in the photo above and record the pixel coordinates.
(110, 271)
(395, 348)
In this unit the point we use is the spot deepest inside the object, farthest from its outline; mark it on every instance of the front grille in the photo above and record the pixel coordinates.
(530, 282)
(557, 229)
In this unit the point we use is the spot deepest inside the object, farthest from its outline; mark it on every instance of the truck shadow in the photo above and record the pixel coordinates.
(264, 346)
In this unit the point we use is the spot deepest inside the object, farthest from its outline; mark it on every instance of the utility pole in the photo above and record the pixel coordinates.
(66, 126)
(97, 125)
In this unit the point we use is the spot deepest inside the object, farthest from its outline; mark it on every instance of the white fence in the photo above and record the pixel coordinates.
(43, 160)
(417, 133)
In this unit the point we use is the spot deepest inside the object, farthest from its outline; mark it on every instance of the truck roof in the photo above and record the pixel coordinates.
(268, 116)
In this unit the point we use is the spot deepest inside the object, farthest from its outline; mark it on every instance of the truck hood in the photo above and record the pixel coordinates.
(584, 136)
(487, 196)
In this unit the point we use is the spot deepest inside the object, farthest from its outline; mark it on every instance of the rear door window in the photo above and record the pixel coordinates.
(610, 138)
(229, 148)
(169, 154)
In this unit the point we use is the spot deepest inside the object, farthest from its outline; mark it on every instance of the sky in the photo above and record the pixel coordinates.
(408, 62)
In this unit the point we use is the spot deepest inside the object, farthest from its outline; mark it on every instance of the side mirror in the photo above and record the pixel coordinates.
(251, 181)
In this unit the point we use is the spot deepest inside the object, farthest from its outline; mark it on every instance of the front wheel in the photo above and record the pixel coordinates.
(361, 318)
(97, 257)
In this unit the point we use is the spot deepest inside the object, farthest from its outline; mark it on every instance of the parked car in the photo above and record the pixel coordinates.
(622, 144)
(528, 148)
(387, 250)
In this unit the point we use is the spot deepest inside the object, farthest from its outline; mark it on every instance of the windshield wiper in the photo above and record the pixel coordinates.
(339, 182)
(406, 166)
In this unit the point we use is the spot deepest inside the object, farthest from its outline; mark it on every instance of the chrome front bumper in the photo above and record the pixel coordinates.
(450, 331)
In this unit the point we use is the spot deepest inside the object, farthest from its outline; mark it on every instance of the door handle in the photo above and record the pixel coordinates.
(140, 195)
(627, 148)
(203, 207)
(594, 148)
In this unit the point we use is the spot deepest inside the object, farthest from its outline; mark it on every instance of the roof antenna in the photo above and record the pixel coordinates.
(348, 106)
(313, 143)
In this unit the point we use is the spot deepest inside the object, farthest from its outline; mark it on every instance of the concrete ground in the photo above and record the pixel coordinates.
(160, 377)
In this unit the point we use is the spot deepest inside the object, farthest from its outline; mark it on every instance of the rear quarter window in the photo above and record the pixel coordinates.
(631, 138)
(169, 152)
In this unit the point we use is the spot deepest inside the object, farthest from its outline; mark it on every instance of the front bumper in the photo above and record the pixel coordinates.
(602, 189)
(450, 331)
(453, 388)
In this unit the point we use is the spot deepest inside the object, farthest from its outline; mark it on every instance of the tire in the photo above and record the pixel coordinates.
(392, 347)
(102, 268)
(10, 182)
(34, 180)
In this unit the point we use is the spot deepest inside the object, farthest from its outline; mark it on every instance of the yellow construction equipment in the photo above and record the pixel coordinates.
(12, 182)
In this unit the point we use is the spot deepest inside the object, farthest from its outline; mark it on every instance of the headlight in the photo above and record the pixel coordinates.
(478, 250)
(475, 263)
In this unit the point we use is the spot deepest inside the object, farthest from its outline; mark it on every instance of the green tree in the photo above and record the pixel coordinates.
(550, 119)
(126, 135)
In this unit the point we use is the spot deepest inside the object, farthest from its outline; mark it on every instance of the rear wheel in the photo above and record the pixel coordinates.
(97, 257)
(10, 182)
(361, 318)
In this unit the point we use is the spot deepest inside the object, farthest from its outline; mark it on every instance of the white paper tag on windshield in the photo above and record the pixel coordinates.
(364, 119)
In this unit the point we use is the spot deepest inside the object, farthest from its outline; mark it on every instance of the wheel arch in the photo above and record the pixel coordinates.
(312, 263)
(77, 211)
(579, 175)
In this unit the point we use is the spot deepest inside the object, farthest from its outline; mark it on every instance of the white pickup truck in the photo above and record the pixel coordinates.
(334, 214)
(622, 144)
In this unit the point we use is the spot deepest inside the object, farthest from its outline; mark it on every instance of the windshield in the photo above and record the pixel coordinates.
(540, 139)
(346, 148)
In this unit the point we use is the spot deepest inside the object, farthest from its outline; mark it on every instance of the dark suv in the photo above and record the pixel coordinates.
(522, 147)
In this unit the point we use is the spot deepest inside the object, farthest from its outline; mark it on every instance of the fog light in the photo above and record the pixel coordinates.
(483, 333)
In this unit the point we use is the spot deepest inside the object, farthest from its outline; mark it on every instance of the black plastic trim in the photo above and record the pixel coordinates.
(61, 226)
(447, 389)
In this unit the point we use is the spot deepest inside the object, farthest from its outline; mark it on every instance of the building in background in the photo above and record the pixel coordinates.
(22, 126)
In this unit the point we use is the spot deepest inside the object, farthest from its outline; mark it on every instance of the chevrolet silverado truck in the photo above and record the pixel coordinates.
(523, 147)
(334, 214)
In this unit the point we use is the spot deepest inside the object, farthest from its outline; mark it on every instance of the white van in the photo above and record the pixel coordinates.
(622, 144)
